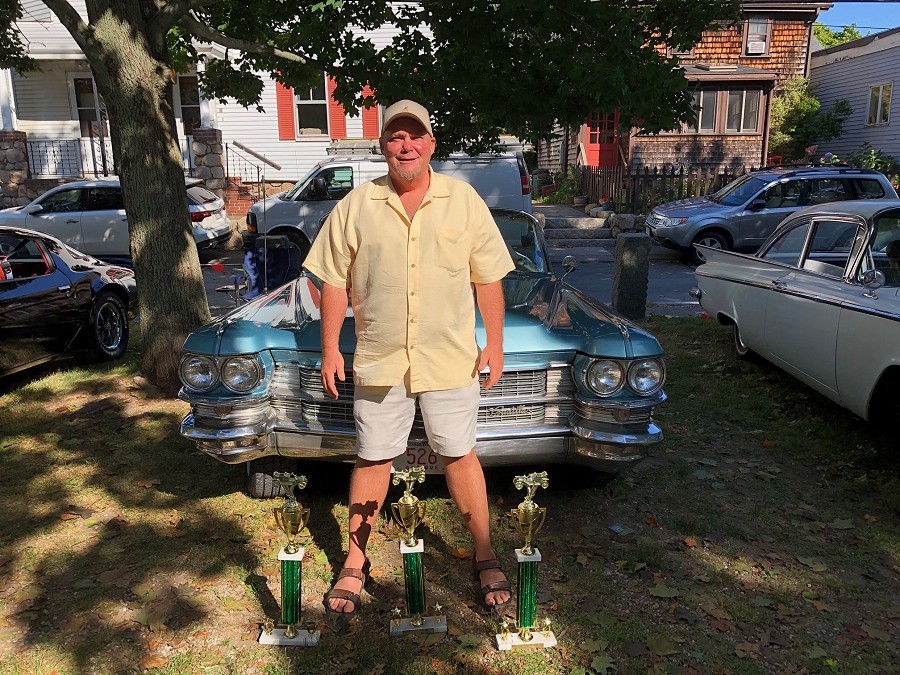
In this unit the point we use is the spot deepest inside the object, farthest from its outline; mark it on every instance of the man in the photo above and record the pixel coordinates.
(407, 248)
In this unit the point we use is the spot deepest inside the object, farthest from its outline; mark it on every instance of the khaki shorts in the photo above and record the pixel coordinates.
(384, 418)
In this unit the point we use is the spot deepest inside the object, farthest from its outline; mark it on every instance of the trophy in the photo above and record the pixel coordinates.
(291, 518)
(409, 513)
(528, 519)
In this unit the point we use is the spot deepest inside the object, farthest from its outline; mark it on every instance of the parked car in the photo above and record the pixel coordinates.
(745, 212)
(89, 216)
(820, 299)
(54, 299)
(579, 385)
(501, 180)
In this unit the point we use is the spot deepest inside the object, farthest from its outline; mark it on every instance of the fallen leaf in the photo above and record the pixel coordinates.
(582, 559)
(822, 606)
(816, 653)
(151, 661)
(769, 443)
(716, 612)
(601, 664)
(469, 641)
(651, 521)
(761, 601)
(875, 633)
(700, 474)
(814, 565)
(842, 524)
(661, 646)
(591, 646)
(599, 619)
(461, 552)
(662, 591)
(635, 649)
(430, 639)
(744, 649)
(870, 519)
(147, 484)
(690, 542)
(708, 462)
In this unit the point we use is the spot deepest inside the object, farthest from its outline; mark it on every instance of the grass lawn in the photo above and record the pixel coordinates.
(761, 537)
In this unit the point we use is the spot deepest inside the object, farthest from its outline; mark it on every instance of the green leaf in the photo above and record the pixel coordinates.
(661, 646)
(591, 646)
(814, 565)
(601, 664)
(469, 641)
(320, 558)
(662, 591)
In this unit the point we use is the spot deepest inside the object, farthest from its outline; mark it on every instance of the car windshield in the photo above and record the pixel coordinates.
(518, 233)
(739, 190)
(290, 194)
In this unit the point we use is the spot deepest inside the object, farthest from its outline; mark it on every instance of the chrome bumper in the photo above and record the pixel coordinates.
(602, 447)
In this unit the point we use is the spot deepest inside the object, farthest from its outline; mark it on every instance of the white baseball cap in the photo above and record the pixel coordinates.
(406, 108)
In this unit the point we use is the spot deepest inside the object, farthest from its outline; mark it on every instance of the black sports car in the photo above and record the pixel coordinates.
(54, 299)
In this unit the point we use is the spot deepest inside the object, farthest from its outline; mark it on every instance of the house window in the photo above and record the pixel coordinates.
(757, 37)
(189, 96)
(90, 109)
(705, 103)
(742, 113)
(879, 104)
(312, 108)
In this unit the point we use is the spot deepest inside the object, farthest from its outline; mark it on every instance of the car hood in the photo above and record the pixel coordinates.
(687, 207)
(544, 317)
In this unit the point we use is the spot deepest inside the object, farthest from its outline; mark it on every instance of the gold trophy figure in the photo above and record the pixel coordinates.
(409, 512)
(291, 518)
(528, 519)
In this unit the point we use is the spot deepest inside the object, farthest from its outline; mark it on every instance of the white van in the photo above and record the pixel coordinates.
(501, 180)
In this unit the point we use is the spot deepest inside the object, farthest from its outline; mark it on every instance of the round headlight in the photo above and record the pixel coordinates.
(605, 377)
(241, 373)
(199, 372)
(646, 376)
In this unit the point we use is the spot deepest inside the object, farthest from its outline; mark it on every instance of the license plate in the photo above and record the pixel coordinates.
(419, 454)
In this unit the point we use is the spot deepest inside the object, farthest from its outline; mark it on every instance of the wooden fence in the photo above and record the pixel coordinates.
(639, 190)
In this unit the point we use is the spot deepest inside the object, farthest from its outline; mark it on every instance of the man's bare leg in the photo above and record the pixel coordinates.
(368, 489)
(465, 481)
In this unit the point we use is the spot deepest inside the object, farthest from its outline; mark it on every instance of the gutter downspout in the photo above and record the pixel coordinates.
(766, 124)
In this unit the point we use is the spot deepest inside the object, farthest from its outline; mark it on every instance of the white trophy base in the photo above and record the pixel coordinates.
(539, 640)
(303, 638)
(431, 624)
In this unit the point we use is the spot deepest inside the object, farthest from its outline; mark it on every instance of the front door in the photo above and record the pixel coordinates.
(602, 139)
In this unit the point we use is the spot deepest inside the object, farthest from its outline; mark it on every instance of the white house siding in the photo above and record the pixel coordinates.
(850, 73)
(42, 100)
(45, 36)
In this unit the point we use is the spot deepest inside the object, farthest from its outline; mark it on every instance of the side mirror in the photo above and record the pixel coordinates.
(318, 189)
(757, 204)
(32, 209)
(873, 279)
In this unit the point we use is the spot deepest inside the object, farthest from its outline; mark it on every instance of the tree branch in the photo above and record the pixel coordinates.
(171, 12)
(81, 32)
(204, 32)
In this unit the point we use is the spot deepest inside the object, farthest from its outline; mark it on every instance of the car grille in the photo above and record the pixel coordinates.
(654, 220)
(230, 415)
(544, 397)
(638, 418)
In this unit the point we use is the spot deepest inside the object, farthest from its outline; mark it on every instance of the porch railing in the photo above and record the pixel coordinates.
(84, 157)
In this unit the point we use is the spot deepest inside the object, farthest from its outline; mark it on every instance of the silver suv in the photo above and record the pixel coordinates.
(743, 213)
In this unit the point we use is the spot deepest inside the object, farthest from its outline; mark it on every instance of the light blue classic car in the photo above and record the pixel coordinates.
(579, 383)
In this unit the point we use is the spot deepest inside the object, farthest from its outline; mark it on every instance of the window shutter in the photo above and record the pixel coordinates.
(370, 117)
(336, 114)
(284, 103)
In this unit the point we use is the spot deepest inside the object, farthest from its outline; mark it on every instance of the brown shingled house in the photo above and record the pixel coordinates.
(731, 72)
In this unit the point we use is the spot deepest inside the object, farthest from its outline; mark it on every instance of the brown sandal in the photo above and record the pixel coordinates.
(341, 594)
(479, 566)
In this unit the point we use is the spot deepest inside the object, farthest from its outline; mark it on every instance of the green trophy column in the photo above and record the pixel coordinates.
(291, 585)
(414, 577)
(527, 592)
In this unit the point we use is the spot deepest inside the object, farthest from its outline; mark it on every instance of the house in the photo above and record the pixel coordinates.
(57, 121)
(861, 71)
(731, 73)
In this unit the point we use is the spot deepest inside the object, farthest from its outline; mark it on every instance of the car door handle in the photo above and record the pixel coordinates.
(71, 221)
(780, 284)
(64, 289)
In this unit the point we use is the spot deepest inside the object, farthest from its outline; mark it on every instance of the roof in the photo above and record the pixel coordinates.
(784, 6)
(721, 71)
(859, 42)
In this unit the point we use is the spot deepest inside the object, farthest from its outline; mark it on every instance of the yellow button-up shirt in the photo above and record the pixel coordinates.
(410, 281)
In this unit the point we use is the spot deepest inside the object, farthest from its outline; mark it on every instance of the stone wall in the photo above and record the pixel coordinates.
(13, 168)
(208, 159)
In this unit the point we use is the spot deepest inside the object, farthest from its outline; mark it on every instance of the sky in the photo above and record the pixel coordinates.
(870, 17)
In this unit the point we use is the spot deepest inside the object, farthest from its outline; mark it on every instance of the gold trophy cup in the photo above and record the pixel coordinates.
(409, 511)
(291, 518)
(529, 516)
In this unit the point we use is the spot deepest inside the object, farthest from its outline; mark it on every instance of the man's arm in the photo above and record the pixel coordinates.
(333, 310)
(491, 306)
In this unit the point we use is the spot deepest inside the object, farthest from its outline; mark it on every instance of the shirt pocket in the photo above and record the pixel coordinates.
(452, 249)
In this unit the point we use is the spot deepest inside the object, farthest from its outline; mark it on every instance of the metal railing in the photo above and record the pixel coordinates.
(84, 157)
(239, 165)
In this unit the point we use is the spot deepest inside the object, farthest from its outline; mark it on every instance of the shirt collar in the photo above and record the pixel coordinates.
(438, 187)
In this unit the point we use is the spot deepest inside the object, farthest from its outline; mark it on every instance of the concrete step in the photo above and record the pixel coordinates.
(580, 243)
(560, 233)
(567, 223)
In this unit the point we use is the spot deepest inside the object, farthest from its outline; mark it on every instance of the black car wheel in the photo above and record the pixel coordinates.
(108, 326)
(260, 483)
(710, 239)
(301, 243)
(740, 347)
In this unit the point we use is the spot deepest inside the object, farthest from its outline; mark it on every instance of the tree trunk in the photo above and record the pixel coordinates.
(133, 76)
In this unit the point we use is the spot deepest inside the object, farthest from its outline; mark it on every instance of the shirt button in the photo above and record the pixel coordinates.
(412, 238)
(412, 292)
(413, 265)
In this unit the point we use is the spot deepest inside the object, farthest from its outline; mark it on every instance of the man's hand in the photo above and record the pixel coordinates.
(492, 358)
(333, 364)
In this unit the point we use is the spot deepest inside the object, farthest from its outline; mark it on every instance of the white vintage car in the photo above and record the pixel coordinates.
(820, 299)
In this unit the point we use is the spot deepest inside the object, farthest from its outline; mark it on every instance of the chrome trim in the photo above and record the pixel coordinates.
(650, 434)
(651, 401)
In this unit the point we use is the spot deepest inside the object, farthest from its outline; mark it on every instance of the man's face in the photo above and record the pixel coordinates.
(408, 147)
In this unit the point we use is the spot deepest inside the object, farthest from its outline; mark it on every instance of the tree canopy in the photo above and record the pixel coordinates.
(829, 37)
(483, 68)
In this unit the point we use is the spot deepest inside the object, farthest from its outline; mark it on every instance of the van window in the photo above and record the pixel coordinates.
(338, 181)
